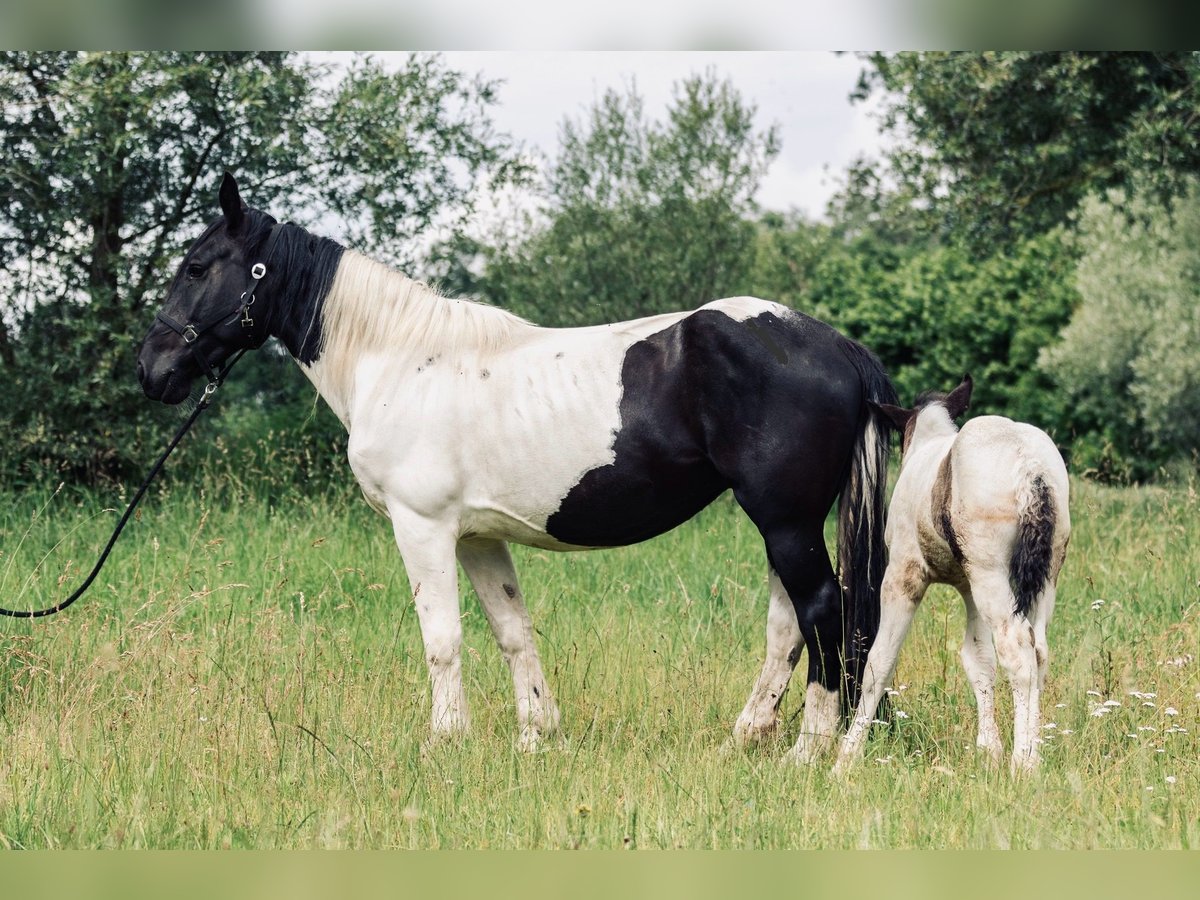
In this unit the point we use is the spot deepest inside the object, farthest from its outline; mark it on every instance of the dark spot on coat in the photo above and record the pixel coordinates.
(484, 374)
(536, 692)
(510, 590)
(559, 355)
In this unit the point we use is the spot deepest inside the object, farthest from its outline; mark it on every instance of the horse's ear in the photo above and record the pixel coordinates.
(231, 203)
(897, 415)
(959, 400)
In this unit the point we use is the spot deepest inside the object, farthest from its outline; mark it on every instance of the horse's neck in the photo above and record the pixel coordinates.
(374, 316)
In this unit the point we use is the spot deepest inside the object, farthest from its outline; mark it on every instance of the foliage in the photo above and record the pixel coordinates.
(933, 313)
(1128, 362)
(1001, 145)
(109, 162)
(640, 216)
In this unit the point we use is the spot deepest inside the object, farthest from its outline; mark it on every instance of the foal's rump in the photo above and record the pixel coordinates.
(1023, 502)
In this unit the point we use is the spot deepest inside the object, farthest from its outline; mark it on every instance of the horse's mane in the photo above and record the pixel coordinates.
(372, 307)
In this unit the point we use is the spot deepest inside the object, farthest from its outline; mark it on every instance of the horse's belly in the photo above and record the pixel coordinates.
(611, 507)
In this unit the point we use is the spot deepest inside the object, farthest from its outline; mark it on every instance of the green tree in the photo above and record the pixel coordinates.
(1001, 145)
(640, 216)
(109, 162)
(1127, 363)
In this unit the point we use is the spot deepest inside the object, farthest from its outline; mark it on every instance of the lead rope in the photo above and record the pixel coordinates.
(209, 390)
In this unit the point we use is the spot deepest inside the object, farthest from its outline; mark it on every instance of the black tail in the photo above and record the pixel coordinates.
(1029, 569)
(862, 514)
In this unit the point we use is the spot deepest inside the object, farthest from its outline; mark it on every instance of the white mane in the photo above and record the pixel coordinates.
(371, 307)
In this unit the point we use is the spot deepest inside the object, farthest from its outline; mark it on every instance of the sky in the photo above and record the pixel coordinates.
(805, 93)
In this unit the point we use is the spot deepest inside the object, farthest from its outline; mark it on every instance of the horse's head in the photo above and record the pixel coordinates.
(211, 310)
(957, 402)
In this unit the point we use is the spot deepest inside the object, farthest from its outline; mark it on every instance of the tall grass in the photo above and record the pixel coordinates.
(248, 673)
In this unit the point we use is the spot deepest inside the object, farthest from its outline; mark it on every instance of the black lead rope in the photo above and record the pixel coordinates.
(209, 390)
(190, 333)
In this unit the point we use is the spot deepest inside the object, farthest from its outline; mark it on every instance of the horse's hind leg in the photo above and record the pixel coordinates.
(489, 566)
(784, 642)
(1016, 648)
(799, 556)
(979, 662)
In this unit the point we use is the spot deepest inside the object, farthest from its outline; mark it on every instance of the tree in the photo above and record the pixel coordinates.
(1127, 364)
(109, 161)
(639, 216)
(1002, 145)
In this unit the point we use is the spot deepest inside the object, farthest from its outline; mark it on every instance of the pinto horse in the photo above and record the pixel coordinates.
(470, 428)
(984, 509)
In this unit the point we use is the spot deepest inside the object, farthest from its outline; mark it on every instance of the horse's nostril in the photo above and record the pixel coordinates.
(141, 372)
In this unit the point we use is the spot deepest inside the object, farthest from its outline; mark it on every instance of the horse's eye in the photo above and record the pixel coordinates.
(195, 271)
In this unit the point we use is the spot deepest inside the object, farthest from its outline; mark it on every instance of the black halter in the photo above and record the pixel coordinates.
(192, 331)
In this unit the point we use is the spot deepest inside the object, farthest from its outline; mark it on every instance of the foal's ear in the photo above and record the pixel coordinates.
(897, 415)
(958, 401)
(231, 203)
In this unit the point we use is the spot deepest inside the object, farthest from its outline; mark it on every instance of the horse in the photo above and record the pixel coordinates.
(984, 509)
(470, 428)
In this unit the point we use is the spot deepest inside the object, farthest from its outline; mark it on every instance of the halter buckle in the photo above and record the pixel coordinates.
(257, 271)
(209, 390)
(190, 334)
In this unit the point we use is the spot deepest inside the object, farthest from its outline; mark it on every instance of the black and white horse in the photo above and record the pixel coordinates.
(469, 428)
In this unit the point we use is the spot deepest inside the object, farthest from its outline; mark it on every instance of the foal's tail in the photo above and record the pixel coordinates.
(862, 513)
(1029, 568)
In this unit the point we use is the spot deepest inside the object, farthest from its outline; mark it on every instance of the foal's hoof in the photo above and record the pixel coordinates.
(1022, 765)
(534, 740)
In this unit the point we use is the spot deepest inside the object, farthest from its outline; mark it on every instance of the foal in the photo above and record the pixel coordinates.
(983, 509)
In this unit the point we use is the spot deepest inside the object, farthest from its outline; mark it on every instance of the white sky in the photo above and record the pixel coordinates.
(806, 93)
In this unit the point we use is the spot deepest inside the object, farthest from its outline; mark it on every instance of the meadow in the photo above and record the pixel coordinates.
(248, 673)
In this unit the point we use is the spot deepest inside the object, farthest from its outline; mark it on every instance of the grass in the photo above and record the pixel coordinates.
(248, 674)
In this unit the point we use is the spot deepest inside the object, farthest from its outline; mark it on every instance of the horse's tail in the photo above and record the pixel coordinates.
(1029, 568)
(862, 514)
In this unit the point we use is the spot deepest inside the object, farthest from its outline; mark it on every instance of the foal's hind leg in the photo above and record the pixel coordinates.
(784, 642)
(979, 662)
(489, 566)
(1016, 644)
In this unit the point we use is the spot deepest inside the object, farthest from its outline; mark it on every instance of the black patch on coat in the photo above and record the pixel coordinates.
(510, 590)
(940, 509)
(768, 407)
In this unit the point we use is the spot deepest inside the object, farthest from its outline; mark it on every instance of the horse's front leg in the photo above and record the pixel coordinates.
(428, 551)
(489, 566)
